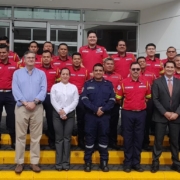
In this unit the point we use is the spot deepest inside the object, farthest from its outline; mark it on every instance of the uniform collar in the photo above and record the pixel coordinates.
(67, 58)
(76, 69)
(122, 56)
(138, 80)
(50, 67)
(148, 58)
(8, 62)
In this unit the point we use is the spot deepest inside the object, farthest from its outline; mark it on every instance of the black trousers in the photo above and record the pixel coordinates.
(113, 124)
(160, 129)
(49, 116)
(7, 100)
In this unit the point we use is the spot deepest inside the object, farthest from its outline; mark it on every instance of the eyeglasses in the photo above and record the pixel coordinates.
(171, 51)
(135, 69)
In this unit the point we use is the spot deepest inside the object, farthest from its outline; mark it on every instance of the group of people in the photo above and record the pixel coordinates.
(93, 85)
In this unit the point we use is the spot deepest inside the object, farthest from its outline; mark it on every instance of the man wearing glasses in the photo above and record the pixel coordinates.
(171, 53)
(135, 90)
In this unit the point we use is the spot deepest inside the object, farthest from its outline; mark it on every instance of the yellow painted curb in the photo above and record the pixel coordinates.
(93, 175)
(5, 139)
(115, 157)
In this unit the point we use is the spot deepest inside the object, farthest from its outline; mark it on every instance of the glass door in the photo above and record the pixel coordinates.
(25, 32)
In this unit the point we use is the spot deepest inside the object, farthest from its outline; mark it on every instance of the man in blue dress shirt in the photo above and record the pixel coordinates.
(29, 89)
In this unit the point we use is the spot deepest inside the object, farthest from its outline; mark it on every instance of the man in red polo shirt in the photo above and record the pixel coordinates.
(12, 55)
(122, 60)
(135, 90)
(33, 47)
(150, 77)
(52, 76)
(78, 77)
(153, 64)
(92, 53)
(116, 80)
(62, 60)
(171, 53)
(177, 63)
(7, 68)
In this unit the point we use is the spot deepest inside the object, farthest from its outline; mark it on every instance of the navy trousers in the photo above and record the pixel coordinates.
(133, 124)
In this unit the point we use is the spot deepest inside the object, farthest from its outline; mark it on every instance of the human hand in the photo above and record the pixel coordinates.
(99, 112)
(173, 116)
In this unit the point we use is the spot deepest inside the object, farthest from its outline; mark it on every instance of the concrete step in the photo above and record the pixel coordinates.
(5, 139)
(93, 175)
(115, 157)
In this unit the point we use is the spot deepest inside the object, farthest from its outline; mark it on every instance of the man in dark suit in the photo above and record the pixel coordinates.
(166, 99)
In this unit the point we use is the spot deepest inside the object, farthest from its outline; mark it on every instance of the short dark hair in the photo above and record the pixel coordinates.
(178, 55)
(4, 38)
(134, 63)
(4, 46)
(34, 43)
(47, 42)
(29, 52)
(150, 44)
(172, 62)
(171, 47)
(108, 59)
(47, 51)
(98, 65)
(63, 44)
(91, 31)
(122, 41)
(65, 68)
(141, 57)
(76, 54)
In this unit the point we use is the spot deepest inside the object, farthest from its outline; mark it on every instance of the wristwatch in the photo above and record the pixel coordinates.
(36, 102)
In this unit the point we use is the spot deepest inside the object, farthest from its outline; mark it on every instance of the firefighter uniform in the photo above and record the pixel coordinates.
(78, 77)
(97, 94)
(116, 80)
(122, 64)
(52, 76)
(6, 97)
(57, 62)
(13, 56)
(133, 118)
(92, 56)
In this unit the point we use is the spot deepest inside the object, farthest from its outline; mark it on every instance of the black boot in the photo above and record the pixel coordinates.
(87, 167)
(13, 144)
(104, 166)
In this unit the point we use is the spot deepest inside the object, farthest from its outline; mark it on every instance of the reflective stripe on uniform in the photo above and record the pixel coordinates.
(85, 97)
(113, 99)
(103, 146)
(89, 146)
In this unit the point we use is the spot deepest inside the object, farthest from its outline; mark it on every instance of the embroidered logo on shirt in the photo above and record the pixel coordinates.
(73, 75)
(142, 86)
(116, 59)
(119, 87)
(127, 59)
(128, 87)
(81, 75)
(90, 88)
(11, 68)
(98, 50)
(157, 65)
(56, 63)
(148, 74)
(52, 72)
(86, 51)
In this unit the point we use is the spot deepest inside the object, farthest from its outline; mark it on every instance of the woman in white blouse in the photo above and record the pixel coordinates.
(64, 98)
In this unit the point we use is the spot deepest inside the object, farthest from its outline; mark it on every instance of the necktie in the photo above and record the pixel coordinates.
(170, 86)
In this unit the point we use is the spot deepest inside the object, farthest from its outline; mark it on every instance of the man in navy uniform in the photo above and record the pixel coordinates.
(99, 98)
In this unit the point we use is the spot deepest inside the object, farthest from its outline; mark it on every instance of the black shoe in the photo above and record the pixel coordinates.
(114, 146)
(138, 168)
(104, 166)
(127, 169)
(175, 168)
(87, 167)
(154, 168)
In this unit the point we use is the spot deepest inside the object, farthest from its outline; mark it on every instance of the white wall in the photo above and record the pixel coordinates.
(160, 25)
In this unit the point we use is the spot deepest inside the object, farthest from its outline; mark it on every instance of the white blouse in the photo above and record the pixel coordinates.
(64, 96)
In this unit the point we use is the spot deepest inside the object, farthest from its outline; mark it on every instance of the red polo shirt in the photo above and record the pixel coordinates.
(92, 56)
(57, 62)
(13, 56)
(38, 61)
(78, 77)
(52, 75)
(155, 66)
(122, 64)
(6, 74)
(134, 93)
(164, 60)
(177, 75)
(149, 76)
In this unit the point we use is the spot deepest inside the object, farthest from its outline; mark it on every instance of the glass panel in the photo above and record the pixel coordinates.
(110, 16)
(22, 33)
(5, 12)
(55, 14)
(67, 35)
(4, 29)
(108, 36)
(72, 50)
(53, 35)
(39, 34)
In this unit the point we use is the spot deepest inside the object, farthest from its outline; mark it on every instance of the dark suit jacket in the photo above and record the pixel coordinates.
(162, 100)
